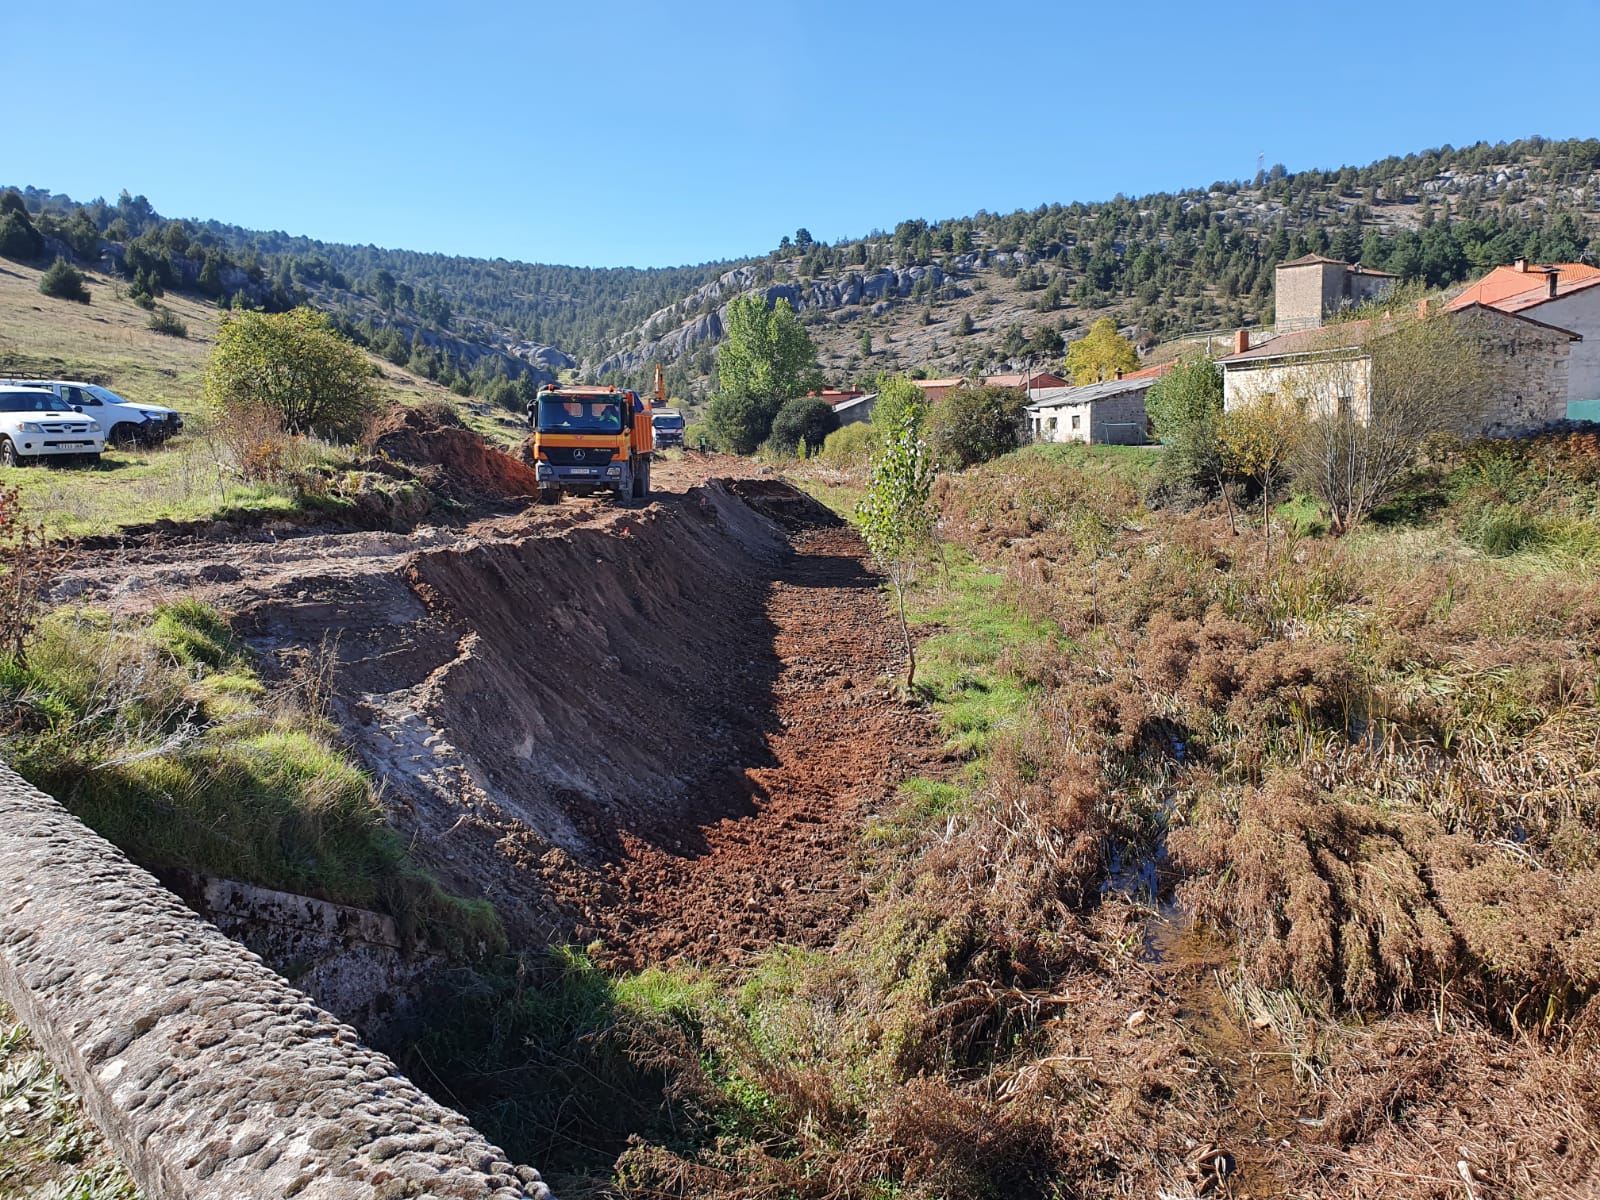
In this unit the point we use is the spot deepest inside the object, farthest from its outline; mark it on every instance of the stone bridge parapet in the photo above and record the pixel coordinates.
(210, 1076)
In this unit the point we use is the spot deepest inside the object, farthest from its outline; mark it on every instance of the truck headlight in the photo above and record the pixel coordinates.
(31, 427)
(613, 470)
(541, 470)
(94, 426)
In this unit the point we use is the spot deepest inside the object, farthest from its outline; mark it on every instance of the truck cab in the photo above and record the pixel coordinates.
(668, 426)
(590, 439)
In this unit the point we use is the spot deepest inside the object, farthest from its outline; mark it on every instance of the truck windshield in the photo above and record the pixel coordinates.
(560, 415)
(31, 402)
(667, 421)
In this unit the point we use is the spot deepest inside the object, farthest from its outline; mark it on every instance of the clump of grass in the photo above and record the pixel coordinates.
(160, 736)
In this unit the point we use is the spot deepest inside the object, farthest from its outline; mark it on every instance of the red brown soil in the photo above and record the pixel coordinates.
(467, 466)
(840, 744)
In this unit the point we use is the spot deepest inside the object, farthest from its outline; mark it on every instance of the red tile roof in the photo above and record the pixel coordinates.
(1038, 379)
(1511, 290)
(1155, 372)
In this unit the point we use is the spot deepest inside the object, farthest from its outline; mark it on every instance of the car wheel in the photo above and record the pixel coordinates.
(92, 460)
(8, 454)
(123, 434)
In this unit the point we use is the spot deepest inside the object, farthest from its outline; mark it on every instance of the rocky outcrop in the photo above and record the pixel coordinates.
(209, 1075)
(873, 288)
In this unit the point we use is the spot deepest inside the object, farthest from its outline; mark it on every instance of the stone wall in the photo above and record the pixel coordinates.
(1527, 363)
(351, 961)
(209, 1075)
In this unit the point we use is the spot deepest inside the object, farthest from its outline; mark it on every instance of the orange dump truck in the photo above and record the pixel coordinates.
(591, 439)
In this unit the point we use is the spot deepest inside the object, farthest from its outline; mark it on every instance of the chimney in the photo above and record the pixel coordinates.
(1550, 281)
(1119, 372)
(1520, 266)
(1241, 341)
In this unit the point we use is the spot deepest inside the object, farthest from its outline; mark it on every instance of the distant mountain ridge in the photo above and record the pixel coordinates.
(984, 292)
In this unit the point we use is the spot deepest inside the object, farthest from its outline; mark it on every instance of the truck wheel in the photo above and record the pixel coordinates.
(8, 454)
(644, 480)
(549, 495)
(123, 434)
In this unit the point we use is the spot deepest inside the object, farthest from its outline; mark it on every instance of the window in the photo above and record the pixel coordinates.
(1077, 421)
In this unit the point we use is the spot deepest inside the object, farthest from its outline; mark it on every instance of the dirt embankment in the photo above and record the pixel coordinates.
(451, 459)
(661, 726)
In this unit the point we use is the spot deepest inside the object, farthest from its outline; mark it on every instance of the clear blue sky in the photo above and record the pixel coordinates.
(606, 132)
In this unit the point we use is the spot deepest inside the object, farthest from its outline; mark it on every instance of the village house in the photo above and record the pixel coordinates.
(854, 407)
(1330, 370)
(1312, 288)
(937, 389)
(1566, 295)
(1110, 413)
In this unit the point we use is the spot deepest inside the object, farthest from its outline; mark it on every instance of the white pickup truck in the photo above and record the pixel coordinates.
(36, 423)
(124, 421)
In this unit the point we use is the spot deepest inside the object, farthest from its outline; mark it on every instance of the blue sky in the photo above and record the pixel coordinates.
(613, 133)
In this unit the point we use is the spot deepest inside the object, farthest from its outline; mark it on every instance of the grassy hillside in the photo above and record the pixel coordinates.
(108, 341)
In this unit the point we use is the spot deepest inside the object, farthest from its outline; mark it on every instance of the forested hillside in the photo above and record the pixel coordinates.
(943, 296)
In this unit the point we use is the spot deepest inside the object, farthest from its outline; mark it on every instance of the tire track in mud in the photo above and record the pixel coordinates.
(788, 868)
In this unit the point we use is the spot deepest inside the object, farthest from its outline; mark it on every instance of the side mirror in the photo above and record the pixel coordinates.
(77, 408)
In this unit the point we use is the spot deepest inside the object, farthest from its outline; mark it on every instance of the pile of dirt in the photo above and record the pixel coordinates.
(450, 458)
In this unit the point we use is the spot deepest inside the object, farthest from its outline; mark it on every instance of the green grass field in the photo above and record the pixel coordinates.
(108, 340)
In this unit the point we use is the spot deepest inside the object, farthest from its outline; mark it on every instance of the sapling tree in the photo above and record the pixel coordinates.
(896, 518)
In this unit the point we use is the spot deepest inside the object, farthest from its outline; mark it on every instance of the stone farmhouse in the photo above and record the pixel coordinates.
(1110, 413)
(1312, 288)
(1330, 370)
(1566, 295)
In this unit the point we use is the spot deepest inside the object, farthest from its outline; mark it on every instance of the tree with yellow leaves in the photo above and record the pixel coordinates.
(1100, 354)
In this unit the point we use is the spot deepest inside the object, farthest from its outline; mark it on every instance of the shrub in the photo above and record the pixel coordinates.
(1184, 407)
(64, 282)
(897, 399)
(164, 320)
(973, 425)
(294, 365)
(19, 240)
(848, 445)
(807, 419)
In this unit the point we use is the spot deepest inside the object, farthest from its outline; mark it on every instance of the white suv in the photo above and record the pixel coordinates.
(35, 422)
(124, 421)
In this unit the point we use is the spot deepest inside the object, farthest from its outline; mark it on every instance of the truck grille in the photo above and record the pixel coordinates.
(568, 456)
(62, 427)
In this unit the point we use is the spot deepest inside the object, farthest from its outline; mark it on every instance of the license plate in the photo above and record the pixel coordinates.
(583, 471)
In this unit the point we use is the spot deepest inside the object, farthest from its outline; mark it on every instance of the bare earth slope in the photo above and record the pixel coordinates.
(660, 725)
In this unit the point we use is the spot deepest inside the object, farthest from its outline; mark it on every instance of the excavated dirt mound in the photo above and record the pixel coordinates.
(452, 459)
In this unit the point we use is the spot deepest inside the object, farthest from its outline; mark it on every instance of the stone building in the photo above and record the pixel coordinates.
(1313, 288)
(1566, 295)
(1330, 370)
(1101, 414)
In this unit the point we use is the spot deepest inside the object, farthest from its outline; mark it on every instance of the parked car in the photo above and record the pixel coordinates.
(124, 421)
(36, 423)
